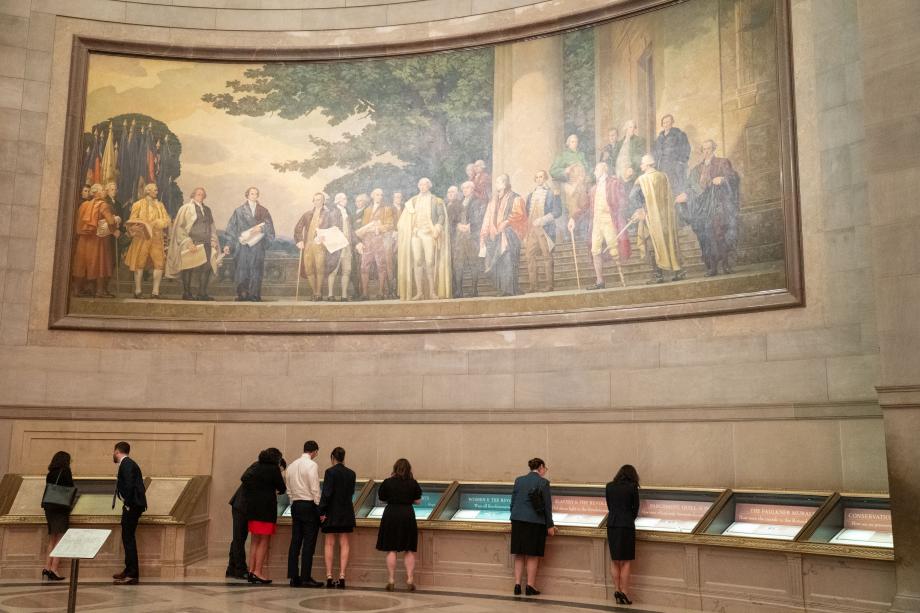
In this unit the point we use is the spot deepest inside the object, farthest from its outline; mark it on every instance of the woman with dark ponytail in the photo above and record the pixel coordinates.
(623, 508)
(531, 522)
(398, 529)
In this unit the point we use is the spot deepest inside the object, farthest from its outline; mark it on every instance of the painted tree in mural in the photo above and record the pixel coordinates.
(578, 66)
(432, 113)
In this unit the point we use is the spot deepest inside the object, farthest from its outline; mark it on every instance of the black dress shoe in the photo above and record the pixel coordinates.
(330, 582)
(517, 589)
(295, 582)
(340, 584)
(531, 591)
(51, 575)
(120, 575)
(127, 581)
(259, 580)
(310, 582)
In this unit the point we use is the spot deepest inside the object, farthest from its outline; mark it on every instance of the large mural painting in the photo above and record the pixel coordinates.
(626, 169)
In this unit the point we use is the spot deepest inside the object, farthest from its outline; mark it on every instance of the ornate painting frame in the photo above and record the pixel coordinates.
(503, 313)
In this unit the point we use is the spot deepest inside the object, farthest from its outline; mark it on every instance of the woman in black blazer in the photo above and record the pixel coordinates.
(262, 482)
(58, 517)
(623, 508)
(337, 514)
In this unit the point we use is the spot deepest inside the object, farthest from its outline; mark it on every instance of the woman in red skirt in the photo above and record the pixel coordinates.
(262, 482)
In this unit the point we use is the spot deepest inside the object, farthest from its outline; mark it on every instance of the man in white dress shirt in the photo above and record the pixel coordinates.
(302, 478)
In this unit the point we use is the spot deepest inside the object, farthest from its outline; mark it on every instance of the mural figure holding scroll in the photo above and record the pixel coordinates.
(147, 226)
(251, 230)
(193, 246)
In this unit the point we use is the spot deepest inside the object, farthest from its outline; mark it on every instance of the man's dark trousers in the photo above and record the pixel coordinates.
(129, 521)
(237, 566)
(304, 530)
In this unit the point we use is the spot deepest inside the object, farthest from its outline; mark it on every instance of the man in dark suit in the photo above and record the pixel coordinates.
(129, 488)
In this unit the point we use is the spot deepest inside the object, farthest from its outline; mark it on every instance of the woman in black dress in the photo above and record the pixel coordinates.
(398, 530)
(262, 482)
(58, 517)
(337, 514)
(623, 508)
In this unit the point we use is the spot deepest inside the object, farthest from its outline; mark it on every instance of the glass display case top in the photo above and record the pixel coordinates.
(431, 496)
(484, 506)
(665, 510)
(860, 520)
(766, 515)
(866, 527)
(284, 502)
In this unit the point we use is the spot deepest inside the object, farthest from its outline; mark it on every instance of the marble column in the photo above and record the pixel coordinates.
(891, 79)
(528, 111)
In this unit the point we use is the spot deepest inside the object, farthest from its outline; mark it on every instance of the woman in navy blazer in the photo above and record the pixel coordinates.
(622, 510)
(530, 525)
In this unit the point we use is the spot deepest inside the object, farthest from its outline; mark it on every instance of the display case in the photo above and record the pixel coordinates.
(176, 520)
(432, 492)
(477, 502)
(667, 509)
(860, 520)
(764, 515)
(581, 506)
(284, 501)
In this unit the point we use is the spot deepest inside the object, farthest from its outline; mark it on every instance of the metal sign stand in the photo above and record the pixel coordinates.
(78, 544)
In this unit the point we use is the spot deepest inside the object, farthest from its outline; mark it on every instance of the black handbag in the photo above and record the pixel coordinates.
(535, 495)
(60, 496)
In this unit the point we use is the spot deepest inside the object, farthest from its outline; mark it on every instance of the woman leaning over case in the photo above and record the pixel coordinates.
(58, 517)
(531, 522)
(262, 482)
(398, 529)
(623, 507)
(337, 514)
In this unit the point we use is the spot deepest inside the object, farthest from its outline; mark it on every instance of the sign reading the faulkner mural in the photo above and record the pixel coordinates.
(670, 515)
(776, 521)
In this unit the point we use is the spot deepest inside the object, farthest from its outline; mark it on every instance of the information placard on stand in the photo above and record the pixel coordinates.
(79, 544)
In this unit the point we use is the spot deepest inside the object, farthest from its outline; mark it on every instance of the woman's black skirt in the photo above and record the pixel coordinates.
(58, 520)
(622, 543)
(527, 538)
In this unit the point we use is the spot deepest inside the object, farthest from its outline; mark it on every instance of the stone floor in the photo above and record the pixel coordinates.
(206, 597)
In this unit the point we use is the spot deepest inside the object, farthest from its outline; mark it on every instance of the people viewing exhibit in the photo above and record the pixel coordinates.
(664, 249)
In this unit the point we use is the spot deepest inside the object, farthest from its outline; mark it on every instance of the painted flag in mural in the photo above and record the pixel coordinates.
(107, 171)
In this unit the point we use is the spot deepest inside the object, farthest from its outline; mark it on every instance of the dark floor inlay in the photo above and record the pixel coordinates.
(346, 602)
(54, 600)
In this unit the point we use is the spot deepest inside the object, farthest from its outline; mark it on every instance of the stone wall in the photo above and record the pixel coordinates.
(774, 399)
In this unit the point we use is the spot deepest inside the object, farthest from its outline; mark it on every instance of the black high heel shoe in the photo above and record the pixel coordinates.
(621, 598)
(51, 575)
(330, 583)
(531, 591)
(340, 584)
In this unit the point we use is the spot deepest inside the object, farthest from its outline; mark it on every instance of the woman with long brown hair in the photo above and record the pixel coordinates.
(398, 530)
(623, 508)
